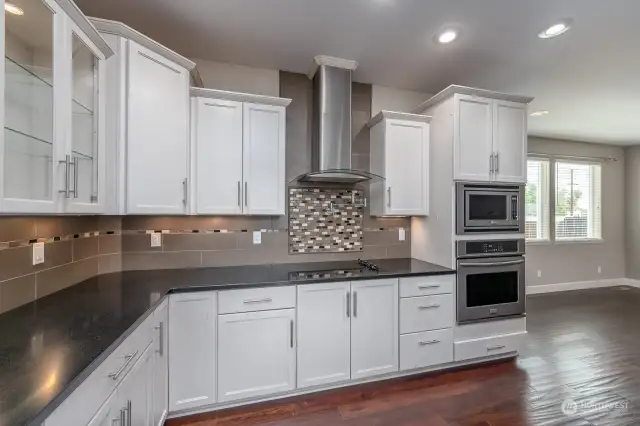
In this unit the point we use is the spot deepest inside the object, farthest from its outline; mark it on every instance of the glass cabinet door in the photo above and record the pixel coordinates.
(84, 122)
(28, 149)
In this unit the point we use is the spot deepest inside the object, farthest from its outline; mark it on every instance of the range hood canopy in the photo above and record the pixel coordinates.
(331, 143)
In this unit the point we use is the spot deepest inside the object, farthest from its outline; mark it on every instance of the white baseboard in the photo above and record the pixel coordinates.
(581, 285)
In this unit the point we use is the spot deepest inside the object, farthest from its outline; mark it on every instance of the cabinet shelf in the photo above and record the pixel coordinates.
(23, 138)
(21, 74)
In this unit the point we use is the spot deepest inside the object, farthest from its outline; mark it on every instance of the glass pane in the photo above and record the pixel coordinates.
(28, 101)
(487, 207)
(84, 138)
(577, 201)
(492, 289)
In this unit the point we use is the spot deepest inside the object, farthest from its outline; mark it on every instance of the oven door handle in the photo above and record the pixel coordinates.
(511, 262)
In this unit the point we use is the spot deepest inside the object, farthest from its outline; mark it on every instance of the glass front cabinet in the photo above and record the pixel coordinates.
(52, 148)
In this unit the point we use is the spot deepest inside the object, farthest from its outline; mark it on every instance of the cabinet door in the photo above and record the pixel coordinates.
(192, 350)
(472, 138)
(87, 142)
(218, 155)
(157, 134)
(264, 159)
(407, 168)
(161, 366)
(33, 79)
(256, 354)
(374, 328)
(135, 393)
(324, 333)
(110, 414)
(510, 141)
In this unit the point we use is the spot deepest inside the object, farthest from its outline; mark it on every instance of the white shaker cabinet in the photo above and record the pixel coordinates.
(135, 393)
(374, 327)
(400, 154)
(256, 354)
(510, 141)
(110, 413)
(192, 350)
(473, 139)
(161, 364)
(238, 156)
(324, 333)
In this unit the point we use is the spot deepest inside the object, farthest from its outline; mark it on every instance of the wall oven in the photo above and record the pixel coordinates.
(490, 279)
(489, 208)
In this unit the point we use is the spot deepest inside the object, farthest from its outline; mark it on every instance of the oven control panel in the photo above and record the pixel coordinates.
(490, 247)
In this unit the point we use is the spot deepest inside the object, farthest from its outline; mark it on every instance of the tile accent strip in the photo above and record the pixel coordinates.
(68, 237)
(325, 220)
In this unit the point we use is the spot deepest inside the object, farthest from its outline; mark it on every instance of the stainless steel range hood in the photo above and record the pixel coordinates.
(331, 143)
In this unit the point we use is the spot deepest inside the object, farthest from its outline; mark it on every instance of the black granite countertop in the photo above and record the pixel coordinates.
(48, 347)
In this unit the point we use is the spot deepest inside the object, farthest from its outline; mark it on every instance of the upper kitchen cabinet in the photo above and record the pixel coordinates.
(400, 154)
(52, 148)
(487, 130)
(238, 153)
(147, 124)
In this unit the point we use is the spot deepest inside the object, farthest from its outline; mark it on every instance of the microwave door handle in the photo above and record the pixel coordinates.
(511, 262)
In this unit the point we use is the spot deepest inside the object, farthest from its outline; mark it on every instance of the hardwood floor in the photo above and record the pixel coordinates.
(583, 346)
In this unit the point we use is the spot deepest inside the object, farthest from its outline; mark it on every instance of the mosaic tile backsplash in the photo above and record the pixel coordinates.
(325, 220)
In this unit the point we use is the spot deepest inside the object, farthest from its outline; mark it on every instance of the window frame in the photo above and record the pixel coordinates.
(545, 191)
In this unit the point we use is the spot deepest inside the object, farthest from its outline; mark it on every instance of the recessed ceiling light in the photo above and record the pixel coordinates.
(556, 29)
(447, 36)
(13, 9)
(539, 113)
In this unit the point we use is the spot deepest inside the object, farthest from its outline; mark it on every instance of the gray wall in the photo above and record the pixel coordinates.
(632, 211)
(571, 262)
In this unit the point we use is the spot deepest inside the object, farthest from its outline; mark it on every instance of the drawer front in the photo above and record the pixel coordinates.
(424, 286)
(419, 350)
(256, 299)
(489, 346)
(87, 399)
(426, 313)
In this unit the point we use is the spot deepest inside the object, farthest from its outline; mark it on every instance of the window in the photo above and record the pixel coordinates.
(578, 213)
(537, 200)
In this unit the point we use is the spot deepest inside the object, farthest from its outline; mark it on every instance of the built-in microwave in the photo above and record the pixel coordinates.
(489, 208)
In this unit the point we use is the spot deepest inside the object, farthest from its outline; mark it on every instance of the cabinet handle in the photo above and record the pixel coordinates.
(435, 305)
(239, 195)
(291, 333)
(246, 195)
(123, 417)
(265, 300)
(495, 348)
(428, 342)
(160, 329)
(184, 191)
(355, 304)
(497, 157)
(427, 287)
(127, 361)
(389, 196)
(129, 413)
(348, 304)
(491, 163)
(74, 164)
(67, 176)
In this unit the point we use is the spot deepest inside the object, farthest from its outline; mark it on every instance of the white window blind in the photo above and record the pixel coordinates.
(578, 212)
(537, 200)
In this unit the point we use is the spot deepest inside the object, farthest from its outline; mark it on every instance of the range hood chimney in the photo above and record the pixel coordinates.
(331, 143)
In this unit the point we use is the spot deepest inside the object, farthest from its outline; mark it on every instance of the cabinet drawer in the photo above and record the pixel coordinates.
(418, 350)
(424, 286)
(256, 299)
(489, 346)
(87, 399)
(426, 313)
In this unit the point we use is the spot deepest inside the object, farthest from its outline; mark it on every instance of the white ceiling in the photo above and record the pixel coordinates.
(588, 78)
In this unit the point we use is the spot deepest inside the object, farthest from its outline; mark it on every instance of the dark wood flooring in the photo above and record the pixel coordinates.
(583, 346)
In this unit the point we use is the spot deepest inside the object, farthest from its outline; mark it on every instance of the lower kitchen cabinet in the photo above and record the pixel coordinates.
(418, 350)
(256, 354)
(192, 350)
(374, 327)
(160, 365)
(324, 334)
(110, 413)
(135, 393)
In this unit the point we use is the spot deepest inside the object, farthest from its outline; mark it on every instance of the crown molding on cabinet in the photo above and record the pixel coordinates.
(239, 97)
(85, 24)
(331, 61)
(398, 116)
(471, 91)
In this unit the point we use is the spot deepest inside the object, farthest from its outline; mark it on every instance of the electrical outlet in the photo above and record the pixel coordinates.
(156, 239)
(539, 273)
(599, 269)
(257, 237)
(401, 234)
(38, 253)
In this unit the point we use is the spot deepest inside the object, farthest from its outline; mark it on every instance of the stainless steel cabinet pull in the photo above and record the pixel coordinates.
(497, 157)
(291, 336)
(74, 163)
(123, 417)
(265, 300)
(160, 329)
(67, 176)
(127, 361)
(348, 304)
(389, 196)
(428, 342)
(511, 262)
(184, 191)
(239, 196)
(429, 306)
(427, 287)
(495, 348)
(129, 413)
(491, 163)
(355, 304)
(246, 195)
